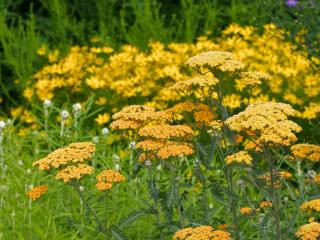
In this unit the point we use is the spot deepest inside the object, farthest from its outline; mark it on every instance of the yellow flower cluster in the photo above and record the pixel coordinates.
(202, 232)
(37, 192)
(133, 73)
(136, 116)
(247, 210)
(165, 131)
(267, 122)
(71, 158)
(106, 178)
(239, 157)
(313, 205)
(164, 149)
(251, 79)
(74, 153)
(306, 151)
(202, 83)
(310, 231)
(76, 172)
(265, 204)
(215, 61)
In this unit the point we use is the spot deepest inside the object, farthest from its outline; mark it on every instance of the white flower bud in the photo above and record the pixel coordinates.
(115, 157)
(117, 167)
(132, 145)
(95, 139)
(47, 103)
(64, 114)
(20, 163)
(29, 171)
(76, 108)
(2, 125)
(81, 188)
(148, 163)
(159, 167)
(105, 131)
(312, 173)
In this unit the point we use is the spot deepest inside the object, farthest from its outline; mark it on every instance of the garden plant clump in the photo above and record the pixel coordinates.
(212, 137)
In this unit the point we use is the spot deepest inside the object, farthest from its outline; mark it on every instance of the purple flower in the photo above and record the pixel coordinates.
(291, 3)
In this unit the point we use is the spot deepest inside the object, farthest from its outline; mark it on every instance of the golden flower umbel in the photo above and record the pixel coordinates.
(37, 192)
(306, 151)
(310, 231)
(215, 61)
(72, 154)
(74, 172)
(202, 232)
(165, 131)
(247, 210)
(239, 157)
(267, 122)
(107, 178)
(313, 205)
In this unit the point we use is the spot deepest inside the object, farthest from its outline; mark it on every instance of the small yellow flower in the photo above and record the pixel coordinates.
(101, 101)
(42, 50)
(102, 118)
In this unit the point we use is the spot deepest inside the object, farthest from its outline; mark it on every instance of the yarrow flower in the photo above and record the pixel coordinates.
(165, 131)
(72, 154)
(306, 151)
(135, 116)
(247, 210)
(202, 82)
(251, 79)
(107, 178)
(239, 157)
(201, 233)
(313, 205)
(74, 172)
(265, 204)
(310, 231)
(215, 60)
(37, 192)
(267, 122)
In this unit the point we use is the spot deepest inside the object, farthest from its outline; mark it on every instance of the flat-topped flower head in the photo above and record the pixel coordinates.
(266, 122)
(72, 154)
(37, 192)
(121, 124)
(165, 131)
(201, 233)
(107, 178)
(209, 59)
(310, 231)
(306, 151)
(265, 204)
(239, 157)
(174, 149)
(204, 82)
(313, 205)
(74, 172)
(150, 145)
(247, 210)
(215, 60)
(138, 114)
(251, 79)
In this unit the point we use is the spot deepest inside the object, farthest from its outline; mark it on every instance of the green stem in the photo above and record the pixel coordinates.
(175, 191)
(154, 195)
(89, 209)
(274, 193)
